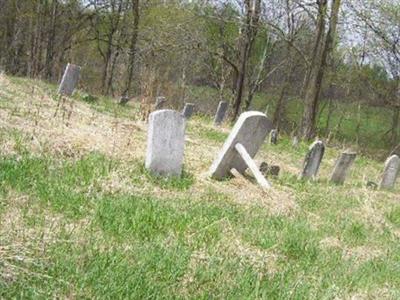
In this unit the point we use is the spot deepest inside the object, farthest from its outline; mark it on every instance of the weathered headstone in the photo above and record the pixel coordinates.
(165, 143)
(123, 100)
(372, 185)
(241, 146)
(342, 167)
(313, 160)
(273, 137)
(295, 142)
(69, 80)
(390, 172)
(160, 102)
(220, 114)
(187, 111)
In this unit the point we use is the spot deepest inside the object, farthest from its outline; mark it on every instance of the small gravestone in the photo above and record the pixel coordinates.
(165, 143)
(273, 137)
(220, 114)
(313, 160)
(187, 111)
(372, 185)
(241, 146)
(295, 142)
(342, 167)
(160, 102)
(123, 100)
(267, 170)
(390, 172)
(69, 80)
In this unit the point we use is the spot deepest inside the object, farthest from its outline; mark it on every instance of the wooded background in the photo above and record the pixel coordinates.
(319, 58)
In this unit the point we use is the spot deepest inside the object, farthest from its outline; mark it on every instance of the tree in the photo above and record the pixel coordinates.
(322, 48)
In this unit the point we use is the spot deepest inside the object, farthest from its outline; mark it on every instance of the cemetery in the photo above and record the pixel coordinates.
(179, 173)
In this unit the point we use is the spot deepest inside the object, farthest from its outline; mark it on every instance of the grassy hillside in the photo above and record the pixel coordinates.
(80, 217)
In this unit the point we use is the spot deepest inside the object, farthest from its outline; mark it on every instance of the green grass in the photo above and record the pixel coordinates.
(100, 226)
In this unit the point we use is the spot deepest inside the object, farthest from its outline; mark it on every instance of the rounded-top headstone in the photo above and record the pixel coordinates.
(165, 143)
(390, 172)
(250, 130)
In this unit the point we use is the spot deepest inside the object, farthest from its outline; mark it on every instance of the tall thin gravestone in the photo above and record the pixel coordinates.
(220, 114)
(390, 172)
(69, 80)
(241, 146)
(342, 167)
(165, 143)
(187, 111)
(273, 137)
(313, 160)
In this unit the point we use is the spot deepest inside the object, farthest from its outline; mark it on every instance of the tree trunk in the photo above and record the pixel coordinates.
(249, 33)
(312, 94)
(132, 47)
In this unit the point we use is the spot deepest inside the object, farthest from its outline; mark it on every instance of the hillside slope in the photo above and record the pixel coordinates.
(80, 217)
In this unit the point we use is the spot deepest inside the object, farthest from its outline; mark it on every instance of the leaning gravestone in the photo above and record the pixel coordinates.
(390, 172)
(396, 151)
(241, 146)
(313, 160)
(165, 143)
(221, 111)
(273, 137)
(69, 80)
(187, 111)
(160, 101)
(342, 167)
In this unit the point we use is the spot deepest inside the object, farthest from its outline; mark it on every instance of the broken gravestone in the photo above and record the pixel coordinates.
(273, 137)
(69, 80)
(165, 143)
(342, 167)
(390, 172)
(187, 111)
(313, 160)
(220, 114)
(268, 170)
(241, 146)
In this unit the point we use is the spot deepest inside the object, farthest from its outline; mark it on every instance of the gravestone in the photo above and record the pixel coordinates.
(241, 146)
(160, 102)
(273, 137)
(268, 170)
(187, 111)
(123, 100)
(295, 142)
(220, 114)
(313, 160)
(342, 167)
(165, 143)
(390, 172)
(69, 80)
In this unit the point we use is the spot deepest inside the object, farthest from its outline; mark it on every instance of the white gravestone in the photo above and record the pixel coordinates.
(165, 143)
(69, 80)
(342, 167)
(390, 172)
(241, 146)
(313, 160)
